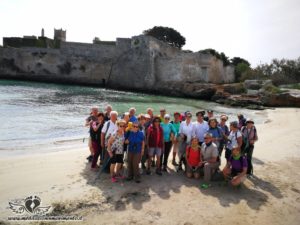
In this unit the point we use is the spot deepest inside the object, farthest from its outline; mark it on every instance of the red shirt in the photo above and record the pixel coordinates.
(193, 157)
(156, 137)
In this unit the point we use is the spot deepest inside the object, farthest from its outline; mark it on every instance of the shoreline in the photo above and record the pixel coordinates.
(65, 180)
(227, 94)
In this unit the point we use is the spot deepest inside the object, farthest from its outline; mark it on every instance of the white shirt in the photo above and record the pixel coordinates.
(233, 138)
(187, 130)
(111, 129)
(200, 129)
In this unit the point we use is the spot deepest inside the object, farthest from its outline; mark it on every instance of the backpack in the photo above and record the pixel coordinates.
(246, 144)
(106, 139)
(229, 141)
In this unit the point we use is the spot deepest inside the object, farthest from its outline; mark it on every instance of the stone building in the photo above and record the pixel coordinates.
(60, 34)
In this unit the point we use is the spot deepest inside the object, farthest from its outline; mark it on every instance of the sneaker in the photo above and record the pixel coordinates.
(113, 179)
(179, 168)
(250, 176)
(158, 172)
(120, 177)
(205, 186)
(90, 158)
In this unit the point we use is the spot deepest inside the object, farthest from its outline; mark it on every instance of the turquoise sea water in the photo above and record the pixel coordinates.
(37, 117)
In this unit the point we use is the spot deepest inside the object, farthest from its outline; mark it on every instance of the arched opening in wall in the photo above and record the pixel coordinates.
(103, 82)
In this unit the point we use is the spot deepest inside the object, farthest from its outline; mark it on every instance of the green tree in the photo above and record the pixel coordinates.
(240, 69)
(211, 51)
(218, 55)
(166, 34)
(237, 60)
(225, 59)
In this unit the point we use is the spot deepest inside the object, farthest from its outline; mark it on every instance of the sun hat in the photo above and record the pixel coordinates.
(249, 120)
(167, 116)
(200, 112)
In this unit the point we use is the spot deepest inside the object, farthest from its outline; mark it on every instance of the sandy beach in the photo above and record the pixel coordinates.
(64, 181)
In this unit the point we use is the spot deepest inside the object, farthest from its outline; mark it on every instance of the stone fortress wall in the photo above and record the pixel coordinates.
(137, 63)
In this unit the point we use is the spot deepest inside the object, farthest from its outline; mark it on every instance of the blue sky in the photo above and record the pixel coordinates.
(257, 30)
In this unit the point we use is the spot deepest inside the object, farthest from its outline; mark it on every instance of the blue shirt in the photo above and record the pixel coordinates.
(216, 132)
(135, 141)
(167, 129)
(133, 119)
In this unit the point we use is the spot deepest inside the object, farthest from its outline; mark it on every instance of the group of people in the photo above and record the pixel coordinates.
(148, 139)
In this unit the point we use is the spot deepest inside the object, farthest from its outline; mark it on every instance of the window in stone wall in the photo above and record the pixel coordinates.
(204, 73)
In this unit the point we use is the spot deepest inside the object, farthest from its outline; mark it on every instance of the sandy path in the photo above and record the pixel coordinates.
(64, 179)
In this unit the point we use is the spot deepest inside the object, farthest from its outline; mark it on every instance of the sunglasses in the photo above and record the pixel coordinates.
(156, 121)
(206, 138)
(167, 118)
(135, 126)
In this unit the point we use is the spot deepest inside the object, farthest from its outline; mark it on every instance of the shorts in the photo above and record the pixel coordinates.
(192, 169)
(117, 158)
(155, 151)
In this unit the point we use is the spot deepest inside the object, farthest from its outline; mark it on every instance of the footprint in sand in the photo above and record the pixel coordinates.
(295, 190)
(268, 121)
(154, 215)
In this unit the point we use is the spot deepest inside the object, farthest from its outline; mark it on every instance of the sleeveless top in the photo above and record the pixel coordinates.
(118, 145)
(193, 156)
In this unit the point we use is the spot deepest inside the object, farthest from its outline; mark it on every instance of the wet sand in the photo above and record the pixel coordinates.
(64, 180)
